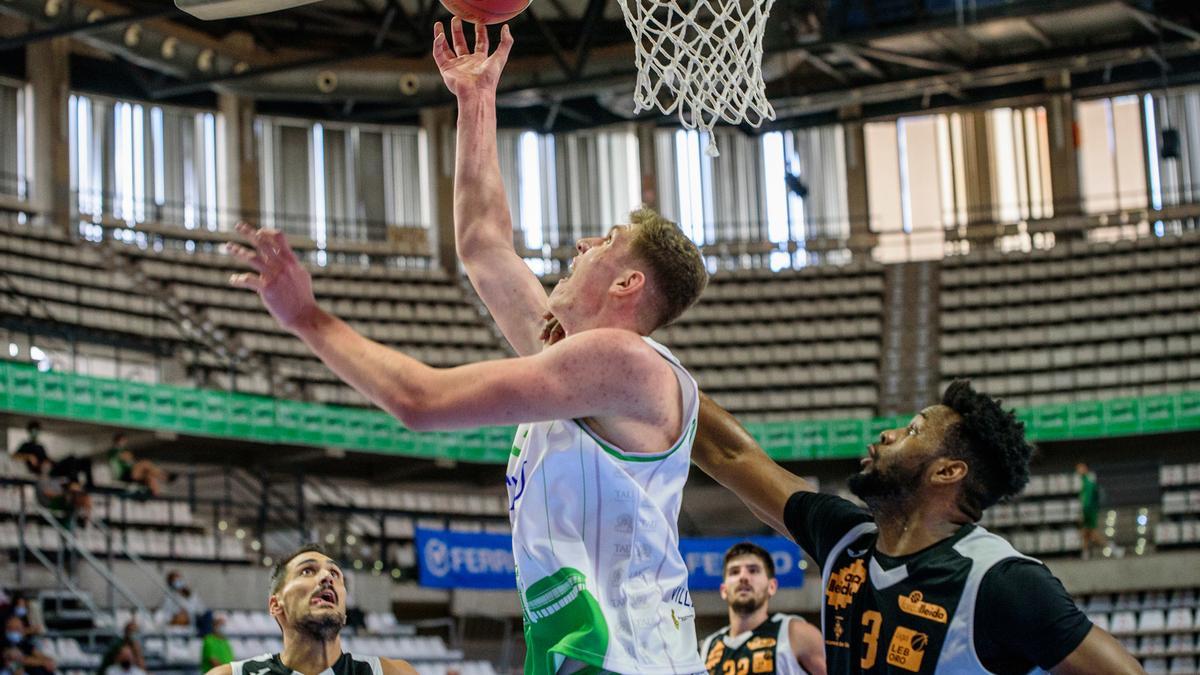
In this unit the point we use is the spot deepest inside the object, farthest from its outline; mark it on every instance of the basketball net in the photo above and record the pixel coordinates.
(703, 64)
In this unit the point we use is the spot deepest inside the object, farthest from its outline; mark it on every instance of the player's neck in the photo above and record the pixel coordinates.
(740, 623)
(903, 532)
(308, 656)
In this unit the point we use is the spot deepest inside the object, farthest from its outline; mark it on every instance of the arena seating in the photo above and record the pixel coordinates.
(1160, 627)
(1044, 519)
(1180, 523)
(1079, 321)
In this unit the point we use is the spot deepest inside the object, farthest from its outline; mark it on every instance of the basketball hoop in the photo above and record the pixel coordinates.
(703, 64)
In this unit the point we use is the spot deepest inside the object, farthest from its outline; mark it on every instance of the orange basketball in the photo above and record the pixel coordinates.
(485, 11)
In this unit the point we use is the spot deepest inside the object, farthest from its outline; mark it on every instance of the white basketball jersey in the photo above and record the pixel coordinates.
(596, 544)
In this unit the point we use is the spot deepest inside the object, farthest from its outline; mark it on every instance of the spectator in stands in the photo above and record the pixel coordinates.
(33, 661)
(29, 613)
(216, 650)
(33, 453)
(69, 503)
(308, 602)
(129, 639)
(128, 469)
(182, 607)
(125, 664)
(1089, 503)
(10, 662)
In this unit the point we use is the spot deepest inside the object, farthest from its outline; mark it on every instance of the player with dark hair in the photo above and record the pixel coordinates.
(912, 583)
(308, 601)
(754, 641)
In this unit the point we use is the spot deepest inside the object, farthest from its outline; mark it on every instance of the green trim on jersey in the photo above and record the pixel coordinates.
(631, 457)
(562, 618)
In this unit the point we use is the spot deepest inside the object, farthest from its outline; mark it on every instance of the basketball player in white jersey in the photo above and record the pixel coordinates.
(607, 416)
(308, 601)
(755, 641)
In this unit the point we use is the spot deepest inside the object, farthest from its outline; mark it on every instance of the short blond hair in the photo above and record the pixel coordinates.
(677, 272)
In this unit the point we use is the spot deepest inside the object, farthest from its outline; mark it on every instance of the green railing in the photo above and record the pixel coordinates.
(205, 412)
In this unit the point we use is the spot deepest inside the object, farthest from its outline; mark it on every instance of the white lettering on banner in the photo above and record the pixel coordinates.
(711, 562)
(442, 559)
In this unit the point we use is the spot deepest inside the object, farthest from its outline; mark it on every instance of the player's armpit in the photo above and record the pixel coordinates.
(396, 667)
(729, 454)
(1099, 654)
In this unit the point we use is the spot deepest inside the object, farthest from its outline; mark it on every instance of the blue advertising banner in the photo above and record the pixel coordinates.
(705, 558)
(485, 561)
(465, 560)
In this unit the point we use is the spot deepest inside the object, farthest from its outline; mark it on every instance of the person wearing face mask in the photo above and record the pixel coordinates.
(124, 664)
(216, 650)
(130, 639)
(182, 607)
(33, 661)
(308, 602)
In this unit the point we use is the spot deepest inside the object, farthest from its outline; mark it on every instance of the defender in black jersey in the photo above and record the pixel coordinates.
(755, 641)
(912, 584)
(308, 601)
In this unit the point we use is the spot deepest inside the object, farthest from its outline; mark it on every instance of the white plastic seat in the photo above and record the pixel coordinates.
(1123, 622)
(1180, 618)
(1152, 620)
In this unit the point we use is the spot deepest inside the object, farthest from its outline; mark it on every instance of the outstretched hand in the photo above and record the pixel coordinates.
(279, 279)
(468, 72)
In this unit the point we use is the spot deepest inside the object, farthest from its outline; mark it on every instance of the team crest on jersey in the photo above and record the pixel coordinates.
(907, 649)
(761, 643)
(914, 603)
(844, 584)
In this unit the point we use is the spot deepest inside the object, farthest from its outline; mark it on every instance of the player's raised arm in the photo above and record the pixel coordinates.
(729, 455)
(597, 373)
(483, 232)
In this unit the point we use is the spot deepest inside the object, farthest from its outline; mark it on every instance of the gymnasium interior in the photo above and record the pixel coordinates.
(1006, 191)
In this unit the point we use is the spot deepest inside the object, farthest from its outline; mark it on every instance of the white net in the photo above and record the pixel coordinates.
(702, 62)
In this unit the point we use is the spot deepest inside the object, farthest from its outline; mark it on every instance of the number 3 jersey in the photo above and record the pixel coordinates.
(766, 649)
(596, 544)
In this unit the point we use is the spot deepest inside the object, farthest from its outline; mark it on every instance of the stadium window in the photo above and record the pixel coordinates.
(1020, 152)
(14, 180)
(907, 174)
(326, 181)
(1173, 179)
(138, 163)
(814, 205)
(1112, 159)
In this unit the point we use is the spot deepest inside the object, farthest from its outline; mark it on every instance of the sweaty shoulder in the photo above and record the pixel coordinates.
(396, 667)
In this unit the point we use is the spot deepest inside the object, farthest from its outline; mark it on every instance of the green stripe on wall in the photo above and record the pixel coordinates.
(205, 412)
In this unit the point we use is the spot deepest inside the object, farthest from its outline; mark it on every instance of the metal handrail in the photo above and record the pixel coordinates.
(101, 569)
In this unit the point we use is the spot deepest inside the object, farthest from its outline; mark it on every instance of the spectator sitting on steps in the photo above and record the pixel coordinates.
(128, 469)
(128, 639)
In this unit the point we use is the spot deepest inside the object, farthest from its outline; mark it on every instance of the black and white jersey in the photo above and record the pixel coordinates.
(921, 613)
(766, 649)
(347, 664)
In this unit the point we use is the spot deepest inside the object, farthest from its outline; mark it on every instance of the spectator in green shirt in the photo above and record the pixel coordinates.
(216, 650)
(1089, 502)
(128, 469)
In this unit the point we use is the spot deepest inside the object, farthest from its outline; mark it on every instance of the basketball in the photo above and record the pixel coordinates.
(485, 11)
